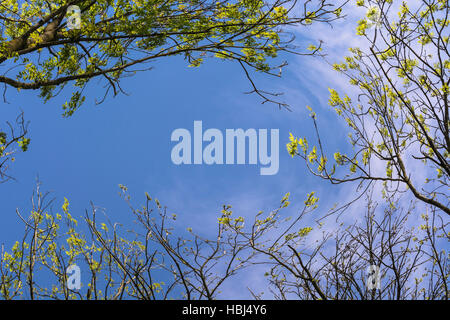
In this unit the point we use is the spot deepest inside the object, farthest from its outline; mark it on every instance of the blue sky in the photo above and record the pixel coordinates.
(126, 140)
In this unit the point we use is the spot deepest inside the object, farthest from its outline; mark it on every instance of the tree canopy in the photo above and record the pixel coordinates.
(117, 38)
(158, 260)
(400, 120)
